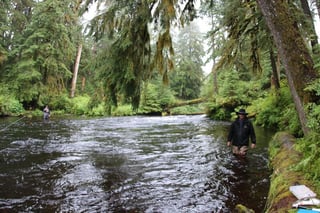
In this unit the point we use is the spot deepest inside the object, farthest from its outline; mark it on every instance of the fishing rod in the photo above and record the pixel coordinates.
(12, 123)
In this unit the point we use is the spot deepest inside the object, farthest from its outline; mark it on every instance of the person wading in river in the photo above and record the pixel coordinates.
(240, 131)
(46, 113)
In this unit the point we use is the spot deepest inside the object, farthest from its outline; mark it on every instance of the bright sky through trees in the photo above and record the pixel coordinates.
(204, 26)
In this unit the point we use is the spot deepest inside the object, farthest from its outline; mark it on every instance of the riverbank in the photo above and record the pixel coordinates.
(283, 157)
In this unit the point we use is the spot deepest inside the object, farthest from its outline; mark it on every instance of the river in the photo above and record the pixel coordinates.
(128, 164)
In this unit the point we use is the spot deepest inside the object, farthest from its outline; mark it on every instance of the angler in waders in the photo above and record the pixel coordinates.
(46, 113)
(240, 132)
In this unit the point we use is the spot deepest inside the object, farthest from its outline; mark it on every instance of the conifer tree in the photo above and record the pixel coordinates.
(186, 79)
(47, 53)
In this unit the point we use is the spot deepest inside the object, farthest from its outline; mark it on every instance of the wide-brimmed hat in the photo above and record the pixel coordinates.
(242, 112)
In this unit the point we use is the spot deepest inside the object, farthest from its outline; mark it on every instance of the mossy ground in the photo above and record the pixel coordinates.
(283, 158)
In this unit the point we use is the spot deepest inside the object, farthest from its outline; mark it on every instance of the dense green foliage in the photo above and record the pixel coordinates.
(39, 64)
(309, 146)
(9, 105)
(129, 43)
(156, 96)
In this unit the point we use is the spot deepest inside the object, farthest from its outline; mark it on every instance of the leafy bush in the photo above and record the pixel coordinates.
(216, 112)
(79, 105)
(314, 117)
(277, 111)
(10, 106)
(185, 110)
(267, 114)
(150, 101)
(290, 121)
(155, 97)
(233, 91)
(98, 110)
(315, 86)
(309, 165)
(61, 102)
(124, 110)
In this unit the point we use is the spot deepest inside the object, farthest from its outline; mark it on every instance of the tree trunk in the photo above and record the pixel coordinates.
(310, 25)
(293, 52)
(83, 83)
(75, 71)
(190, 102)
(318, 7)
(215, 81)
(275, 77)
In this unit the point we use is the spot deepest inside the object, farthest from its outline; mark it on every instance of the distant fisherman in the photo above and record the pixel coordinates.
(46, 113)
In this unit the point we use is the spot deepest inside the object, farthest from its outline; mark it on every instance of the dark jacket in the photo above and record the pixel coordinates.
(239, 136)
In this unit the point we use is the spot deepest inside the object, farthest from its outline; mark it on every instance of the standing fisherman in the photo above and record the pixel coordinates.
(46, 113)
(240, 131)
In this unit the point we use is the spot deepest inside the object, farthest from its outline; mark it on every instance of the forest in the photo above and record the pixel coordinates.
(145, 56)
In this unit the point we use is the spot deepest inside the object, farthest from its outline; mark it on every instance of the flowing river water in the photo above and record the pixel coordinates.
(128, 164)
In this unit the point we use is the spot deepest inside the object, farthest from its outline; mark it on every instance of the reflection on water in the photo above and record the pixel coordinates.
(128, 164)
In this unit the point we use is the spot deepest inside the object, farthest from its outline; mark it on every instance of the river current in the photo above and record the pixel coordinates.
(128, 164)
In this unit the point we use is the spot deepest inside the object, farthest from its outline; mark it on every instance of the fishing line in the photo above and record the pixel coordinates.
(12, 123)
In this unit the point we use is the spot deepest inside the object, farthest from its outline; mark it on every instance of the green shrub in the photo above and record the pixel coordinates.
(233, 91)
(314, 117)
(155, 97)
(185, 110)
(277, 111)
(310, 162)
(79, 105)
(266, 110)
(124, 110)
(61, 102)
(98, 110)
(216, 112)
(10, 106)
(289, 121)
